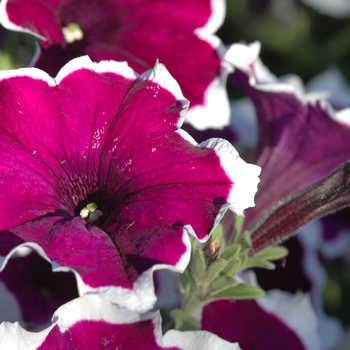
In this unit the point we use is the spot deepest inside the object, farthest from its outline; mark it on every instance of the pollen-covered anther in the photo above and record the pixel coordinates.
(91, 213)
(72, 33)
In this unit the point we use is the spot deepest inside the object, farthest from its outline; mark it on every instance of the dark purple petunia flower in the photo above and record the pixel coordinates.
(90, 322)
(36, 291)
(177, 32)
(96, 176)
(301, 138)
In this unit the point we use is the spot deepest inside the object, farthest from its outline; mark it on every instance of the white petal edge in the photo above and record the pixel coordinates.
(84, 62)
(216, 19)
(296, 312)
(142, 297)
(161, 76)
(246, 58)
(5, 21)
(244, 176)
(94, 308)
(87, 307)
(197, 340)
(215, 110)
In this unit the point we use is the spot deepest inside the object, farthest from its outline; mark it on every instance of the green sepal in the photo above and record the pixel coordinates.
(183, 321)
(215, 268)
(272, 253)
(255, 262)
(231, 251)
(241, 291)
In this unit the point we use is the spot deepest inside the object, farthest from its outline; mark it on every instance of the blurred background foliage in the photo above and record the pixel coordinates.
(294, 38)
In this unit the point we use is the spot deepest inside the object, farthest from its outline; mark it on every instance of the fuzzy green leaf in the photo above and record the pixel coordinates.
(231, 267)
(272, 253)
(241, 291)
(215, 268)
(223, 282)
(187, 282)
(239, 220)
(199, 265)
(243, 259)
(246, 242)
(217, 233)
(231, 251)
(255, 262)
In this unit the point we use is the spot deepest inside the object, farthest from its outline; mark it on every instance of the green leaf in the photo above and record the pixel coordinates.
(243, 259)
(217, 233)
(215, 268)
(239, 220)
(183, 321)
(232, 266)
(231, 251)
(272, 253)
(199, 265)
(255, 262)
(241, 291)
(187, 282)
(223, 282)
(246, 242)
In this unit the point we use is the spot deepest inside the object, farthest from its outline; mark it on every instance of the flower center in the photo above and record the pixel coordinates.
(91, 213)
(72, 33)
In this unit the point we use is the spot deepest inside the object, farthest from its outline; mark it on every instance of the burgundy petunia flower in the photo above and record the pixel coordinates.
(277, 321)
(177, 32)
(96, 176)
(90, 322)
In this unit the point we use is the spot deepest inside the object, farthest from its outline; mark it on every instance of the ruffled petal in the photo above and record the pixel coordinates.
(301, 138)
(137, 32)
(277, 321)
(100, 133)
(90, 322)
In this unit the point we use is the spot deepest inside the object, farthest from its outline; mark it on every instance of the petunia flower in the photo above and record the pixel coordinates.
(33, 290)
(333, 84)
(90, 322)
(301, 138)
(278, 321)
(178, 33)
(98, 179)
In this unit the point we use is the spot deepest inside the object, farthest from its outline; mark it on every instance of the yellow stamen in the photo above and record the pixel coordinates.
(91, 213)
(72, 33)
